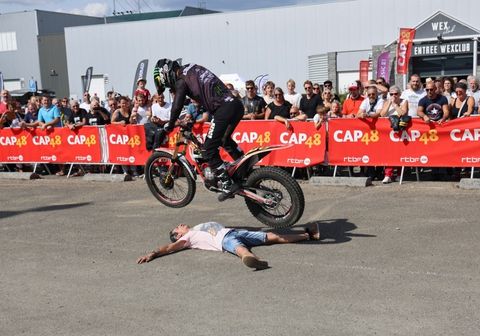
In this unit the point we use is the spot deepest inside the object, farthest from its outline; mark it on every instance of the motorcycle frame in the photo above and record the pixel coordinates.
(237, 169)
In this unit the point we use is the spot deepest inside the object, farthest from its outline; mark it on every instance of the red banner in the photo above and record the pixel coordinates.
(371, 142)
(308, 144)
(57, 145)
(364, 67)
(126, 145)
(404, 49)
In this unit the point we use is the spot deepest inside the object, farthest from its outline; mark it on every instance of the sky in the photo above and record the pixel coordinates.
(106, 8)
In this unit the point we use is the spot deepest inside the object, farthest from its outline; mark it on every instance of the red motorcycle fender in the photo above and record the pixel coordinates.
(183, 161)
(255, 152)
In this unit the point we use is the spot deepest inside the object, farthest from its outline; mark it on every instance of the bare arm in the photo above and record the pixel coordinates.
(470, 106)
(362, 113)
(162, 250)
(421, 114)
(49, 124)
(114, 116)
(446, 113)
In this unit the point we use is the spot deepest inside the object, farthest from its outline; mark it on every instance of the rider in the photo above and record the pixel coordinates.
(202, 85)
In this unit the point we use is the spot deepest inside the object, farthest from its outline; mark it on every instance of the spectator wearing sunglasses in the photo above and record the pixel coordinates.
(279, 109)
(86, 102)
(372, 106)
(309, 101)
(433, 107)
(253, 104)
(328, 84)
(461, 105)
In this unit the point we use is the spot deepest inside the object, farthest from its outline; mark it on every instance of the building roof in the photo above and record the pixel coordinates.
(187, 11)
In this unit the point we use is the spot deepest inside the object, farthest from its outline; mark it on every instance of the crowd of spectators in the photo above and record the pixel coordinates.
(435, 101)
(45, 113)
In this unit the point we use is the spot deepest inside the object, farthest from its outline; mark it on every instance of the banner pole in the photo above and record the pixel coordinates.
(475, 47)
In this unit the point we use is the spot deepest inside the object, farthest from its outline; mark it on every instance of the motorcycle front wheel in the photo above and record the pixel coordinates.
(284, 192)
(169, 180)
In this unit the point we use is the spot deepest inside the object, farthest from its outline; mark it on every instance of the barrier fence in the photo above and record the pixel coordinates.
(351, 142)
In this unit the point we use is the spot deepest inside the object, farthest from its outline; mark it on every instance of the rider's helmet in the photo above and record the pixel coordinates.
(164, 74)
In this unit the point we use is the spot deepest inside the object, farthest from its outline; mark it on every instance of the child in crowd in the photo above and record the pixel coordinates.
(321, 116)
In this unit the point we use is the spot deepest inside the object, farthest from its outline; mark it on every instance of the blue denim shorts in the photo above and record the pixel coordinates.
(243, 238)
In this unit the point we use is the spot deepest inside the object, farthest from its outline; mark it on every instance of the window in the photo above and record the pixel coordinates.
(8, 41)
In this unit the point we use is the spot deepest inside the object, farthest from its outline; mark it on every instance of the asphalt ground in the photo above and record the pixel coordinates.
(393, 260)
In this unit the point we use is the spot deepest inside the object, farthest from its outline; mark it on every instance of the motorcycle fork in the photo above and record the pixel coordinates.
(255, 197)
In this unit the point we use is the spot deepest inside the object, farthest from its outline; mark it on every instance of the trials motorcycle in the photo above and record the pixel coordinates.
(272, 196)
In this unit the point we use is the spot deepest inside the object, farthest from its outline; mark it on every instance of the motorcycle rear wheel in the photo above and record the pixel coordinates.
(175, 189)
(284, 190)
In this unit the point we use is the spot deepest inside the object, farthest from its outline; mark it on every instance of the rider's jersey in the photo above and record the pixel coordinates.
(202, 85)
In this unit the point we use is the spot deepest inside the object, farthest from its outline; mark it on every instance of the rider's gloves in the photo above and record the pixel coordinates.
(167, 127)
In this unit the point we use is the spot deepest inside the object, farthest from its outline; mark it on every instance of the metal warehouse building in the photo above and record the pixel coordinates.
(32, 47)
(301, 42)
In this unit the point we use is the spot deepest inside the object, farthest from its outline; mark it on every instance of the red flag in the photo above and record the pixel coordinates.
(404, 49)
(364, 67)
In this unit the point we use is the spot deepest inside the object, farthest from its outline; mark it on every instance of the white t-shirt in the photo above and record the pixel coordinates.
(206, 236)
(141, 115)
(413, 97)
(293, 99)
(161, 112)
(85, 106)
(365, 105)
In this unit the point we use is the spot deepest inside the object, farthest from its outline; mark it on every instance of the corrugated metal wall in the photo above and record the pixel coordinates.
(274, 41)
(318, 68)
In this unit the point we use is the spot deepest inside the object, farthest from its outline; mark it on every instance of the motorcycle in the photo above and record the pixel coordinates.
(271, 194)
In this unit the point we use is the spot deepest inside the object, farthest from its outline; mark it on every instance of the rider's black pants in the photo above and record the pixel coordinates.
(224, 121)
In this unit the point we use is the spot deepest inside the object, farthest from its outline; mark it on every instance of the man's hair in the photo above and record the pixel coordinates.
(308, 82)
(173, 236)
(328, 81)
(250, 82)
(291, 81)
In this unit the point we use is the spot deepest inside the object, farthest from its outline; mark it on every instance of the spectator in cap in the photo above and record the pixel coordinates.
(143, 90)
(351, 105)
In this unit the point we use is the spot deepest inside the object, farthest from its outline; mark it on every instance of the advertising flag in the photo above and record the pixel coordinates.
(141, 73)
(404, 49)
(383, 66)
(87, 79)
(364, 67)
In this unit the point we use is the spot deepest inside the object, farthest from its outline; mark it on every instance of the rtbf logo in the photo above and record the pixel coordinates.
(356, 159)
(409, 159)
(470, 159)
(305, 161)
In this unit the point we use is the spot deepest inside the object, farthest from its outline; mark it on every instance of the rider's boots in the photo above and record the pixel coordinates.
(229, 187)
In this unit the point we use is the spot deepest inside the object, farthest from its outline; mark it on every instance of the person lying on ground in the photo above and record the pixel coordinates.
(215, 237)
